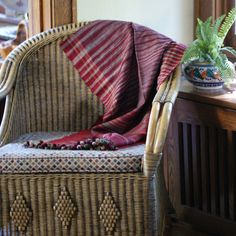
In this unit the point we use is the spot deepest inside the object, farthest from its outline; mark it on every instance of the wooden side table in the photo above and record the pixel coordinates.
(200, 159)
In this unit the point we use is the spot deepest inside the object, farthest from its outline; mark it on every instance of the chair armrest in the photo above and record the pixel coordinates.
(159, 122)
(7, 75)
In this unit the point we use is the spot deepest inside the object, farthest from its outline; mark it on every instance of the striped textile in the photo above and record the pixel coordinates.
(123, 64)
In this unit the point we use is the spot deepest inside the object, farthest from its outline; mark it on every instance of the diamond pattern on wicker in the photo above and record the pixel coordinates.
(65, 208)
(20, 213)
(109, 213)
(15, 158)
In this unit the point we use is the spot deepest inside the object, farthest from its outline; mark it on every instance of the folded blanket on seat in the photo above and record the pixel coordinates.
(123, 64)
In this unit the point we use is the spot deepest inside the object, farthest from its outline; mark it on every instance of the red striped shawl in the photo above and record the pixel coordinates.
(123, 64)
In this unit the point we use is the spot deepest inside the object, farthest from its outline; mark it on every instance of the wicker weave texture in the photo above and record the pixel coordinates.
(133, 196)
(44, 93)
(50, 95)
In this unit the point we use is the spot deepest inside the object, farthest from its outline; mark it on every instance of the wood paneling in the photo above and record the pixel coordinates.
(46, 14)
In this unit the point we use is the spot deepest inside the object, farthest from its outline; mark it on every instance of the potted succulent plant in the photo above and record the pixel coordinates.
(205, 63)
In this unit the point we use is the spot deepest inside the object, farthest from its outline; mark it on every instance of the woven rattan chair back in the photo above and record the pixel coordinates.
(49, 94)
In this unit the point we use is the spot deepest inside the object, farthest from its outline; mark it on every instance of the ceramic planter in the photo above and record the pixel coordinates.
(203, 75)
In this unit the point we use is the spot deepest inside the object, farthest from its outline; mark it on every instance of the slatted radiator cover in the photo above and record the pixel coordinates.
(207, 177)
(200, 165)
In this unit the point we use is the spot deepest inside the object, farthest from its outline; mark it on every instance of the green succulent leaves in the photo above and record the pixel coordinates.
(209, 43)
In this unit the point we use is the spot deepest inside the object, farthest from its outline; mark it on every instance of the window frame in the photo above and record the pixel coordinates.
(46, 14)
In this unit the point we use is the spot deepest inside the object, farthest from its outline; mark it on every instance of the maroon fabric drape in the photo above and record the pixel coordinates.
(123, 64)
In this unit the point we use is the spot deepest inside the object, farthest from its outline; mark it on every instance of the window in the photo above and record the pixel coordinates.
(11, 13)
(43, 15)
(12, 30)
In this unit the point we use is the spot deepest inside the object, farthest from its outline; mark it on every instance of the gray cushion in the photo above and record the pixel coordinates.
(15, 158)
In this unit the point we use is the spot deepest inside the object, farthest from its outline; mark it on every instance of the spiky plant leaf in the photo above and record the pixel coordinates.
(217, 24)
(205, 29)
(224, 66)
(191, 53)
(208, 21)
(227, 24)
(210, 59)
(198, 27)
(209, 44)
(229, 49)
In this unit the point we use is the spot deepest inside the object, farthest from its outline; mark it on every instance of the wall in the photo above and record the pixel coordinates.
(173, 18)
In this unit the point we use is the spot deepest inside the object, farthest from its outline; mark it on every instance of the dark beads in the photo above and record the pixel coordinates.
(87, 144)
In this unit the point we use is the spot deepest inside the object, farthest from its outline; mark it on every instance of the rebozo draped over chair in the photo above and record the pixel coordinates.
(75, 192)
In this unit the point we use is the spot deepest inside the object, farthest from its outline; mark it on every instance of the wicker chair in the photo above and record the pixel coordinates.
(51, 192)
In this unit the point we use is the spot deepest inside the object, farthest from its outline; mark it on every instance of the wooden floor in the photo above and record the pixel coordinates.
(183, 231)
(178, 228)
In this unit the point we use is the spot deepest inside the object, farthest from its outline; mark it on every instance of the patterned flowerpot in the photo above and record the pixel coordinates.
(203, 75)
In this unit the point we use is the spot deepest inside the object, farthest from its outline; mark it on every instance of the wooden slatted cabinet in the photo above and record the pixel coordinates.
(200, 159)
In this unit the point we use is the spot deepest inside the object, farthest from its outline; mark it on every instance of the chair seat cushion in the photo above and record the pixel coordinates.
(15, 158)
